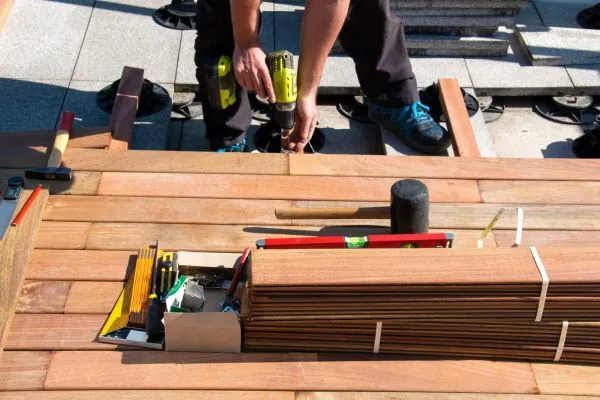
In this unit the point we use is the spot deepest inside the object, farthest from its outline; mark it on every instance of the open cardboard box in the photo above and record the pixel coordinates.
(209, 331)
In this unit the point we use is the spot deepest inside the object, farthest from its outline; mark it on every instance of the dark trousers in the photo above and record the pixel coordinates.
(370, 36)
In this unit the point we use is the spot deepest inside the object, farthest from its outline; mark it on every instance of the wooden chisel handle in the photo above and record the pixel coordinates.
(61, 140)
(333, 213)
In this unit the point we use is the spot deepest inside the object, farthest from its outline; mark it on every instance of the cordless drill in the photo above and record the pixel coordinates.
(283, 75)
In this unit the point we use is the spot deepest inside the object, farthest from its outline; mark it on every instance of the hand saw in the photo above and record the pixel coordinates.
(9, 201)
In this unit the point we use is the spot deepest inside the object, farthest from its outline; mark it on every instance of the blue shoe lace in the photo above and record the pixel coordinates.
(234, 148)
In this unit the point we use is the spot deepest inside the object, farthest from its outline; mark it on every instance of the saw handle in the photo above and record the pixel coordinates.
(62, 139)
(333, 213)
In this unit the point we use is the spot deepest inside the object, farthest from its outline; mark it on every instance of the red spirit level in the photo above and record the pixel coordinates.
(423, 240)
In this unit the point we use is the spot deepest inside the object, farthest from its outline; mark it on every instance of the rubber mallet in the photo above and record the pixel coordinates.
(408, 211)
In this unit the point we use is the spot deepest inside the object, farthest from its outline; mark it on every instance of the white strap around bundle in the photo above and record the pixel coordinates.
(377, 337)
(545, 282)
(562, 340)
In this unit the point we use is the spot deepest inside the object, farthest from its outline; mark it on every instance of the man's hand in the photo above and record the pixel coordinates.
(251, 71)
(306, 121)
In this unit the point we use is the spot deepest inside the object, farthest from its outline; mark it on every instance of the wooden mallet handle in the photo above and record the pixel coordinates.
(61, 140)
(333, 213)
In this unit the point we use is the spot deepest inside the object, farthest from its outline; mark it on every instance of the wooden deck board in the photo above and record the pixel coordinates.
(83, 183)
(43, 296)
(567, 379)
(23, 370)
(92, 297)
(528, 192)
(62, 235)
(549, 238)
(276, 187)
(156, 370)
(157, 394)
(429, 396)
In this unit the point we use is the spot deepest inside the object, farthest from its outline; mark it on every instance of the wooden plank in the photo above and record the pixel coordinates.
(229, 238)
(43, 297)
(62, 235)
(16, 250)
(276, 187)
(96, 137)
(23, 157)
(72, 370)
(56, 332)
(176, 162)
(83, 183)
(428, 396)
(556, 378)
(23, 370)
(478, 216)
(157, 394)
(366, 267)
(459, 122)
(446, 167)
(80, 265)
(5, 8)
(549, 238)
(125, 107)
(166, 210)
(93, 297)
(528, 192)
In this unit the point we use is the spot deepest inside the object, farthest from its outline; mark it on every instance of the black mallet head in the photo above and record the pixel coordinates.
(49, 174)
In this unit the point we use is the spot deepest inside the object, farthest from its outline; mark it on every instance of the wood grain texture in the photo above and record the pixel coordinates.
(549, 238)
(176, 210)
(16, 249)
(565, 265)
(567, 379)
(132, 80)
(229, 238)
(478, 216)
(92, 297)
(528, 192)
(56, 332)
(276, 187)
(62, 235)
(158, 394)
(96, 137)
(23, 370)
(176, 162)
(459, 122)
(122, 120)
(43, 296)
(80, 265)
(428, 396)
(83, 183)
(366, 267)
(163, 370)
(446, 167)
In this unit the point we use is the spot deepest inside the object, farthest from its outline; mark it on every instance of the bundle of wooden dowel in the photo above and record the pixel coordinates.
(333, 299)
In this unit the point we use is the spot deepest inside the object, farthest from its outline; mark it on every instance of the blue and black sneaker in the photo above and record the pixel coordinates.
(414, 125)
(234, 148)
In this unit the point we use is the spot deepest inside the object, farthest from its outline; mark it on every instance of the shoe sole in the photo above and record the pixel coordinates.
(388, 124)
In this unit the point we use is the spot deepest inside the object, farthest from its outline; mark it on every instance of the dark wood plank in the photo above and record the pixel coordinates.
(459, 123)
(276, 187)
(125, 108)
(16, 249)
(73, 370)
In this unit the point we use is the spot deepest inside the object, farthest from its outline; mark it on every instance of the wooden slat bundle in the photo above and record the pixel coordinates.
(422, 284)
(486, 338)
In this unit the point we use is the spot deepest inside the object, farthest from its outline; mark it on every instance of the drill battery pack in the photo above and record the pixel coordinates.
(220, 82)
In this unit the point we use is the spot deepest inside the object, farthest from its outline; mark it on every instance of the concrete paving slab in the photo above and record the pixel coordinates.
(586, 79)
(41, 39)
(521, 133)
(186, 69)
(562, 13)
(126, 35)
(513, 75)
(430, 69)
(560, 46)
(529, 16)
(149, 133)
(27, 105)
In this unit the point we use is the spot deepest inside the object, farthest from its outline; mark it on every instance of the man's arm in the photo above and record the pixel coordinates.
(322, 23)
(249, 58)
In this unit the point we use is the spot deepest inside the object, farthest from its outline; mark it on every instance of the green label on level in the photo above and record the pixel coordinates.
(356, 242)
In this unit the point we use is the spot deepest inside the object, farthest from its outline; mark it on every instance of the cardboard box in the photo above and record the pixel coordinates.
(210, 331)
